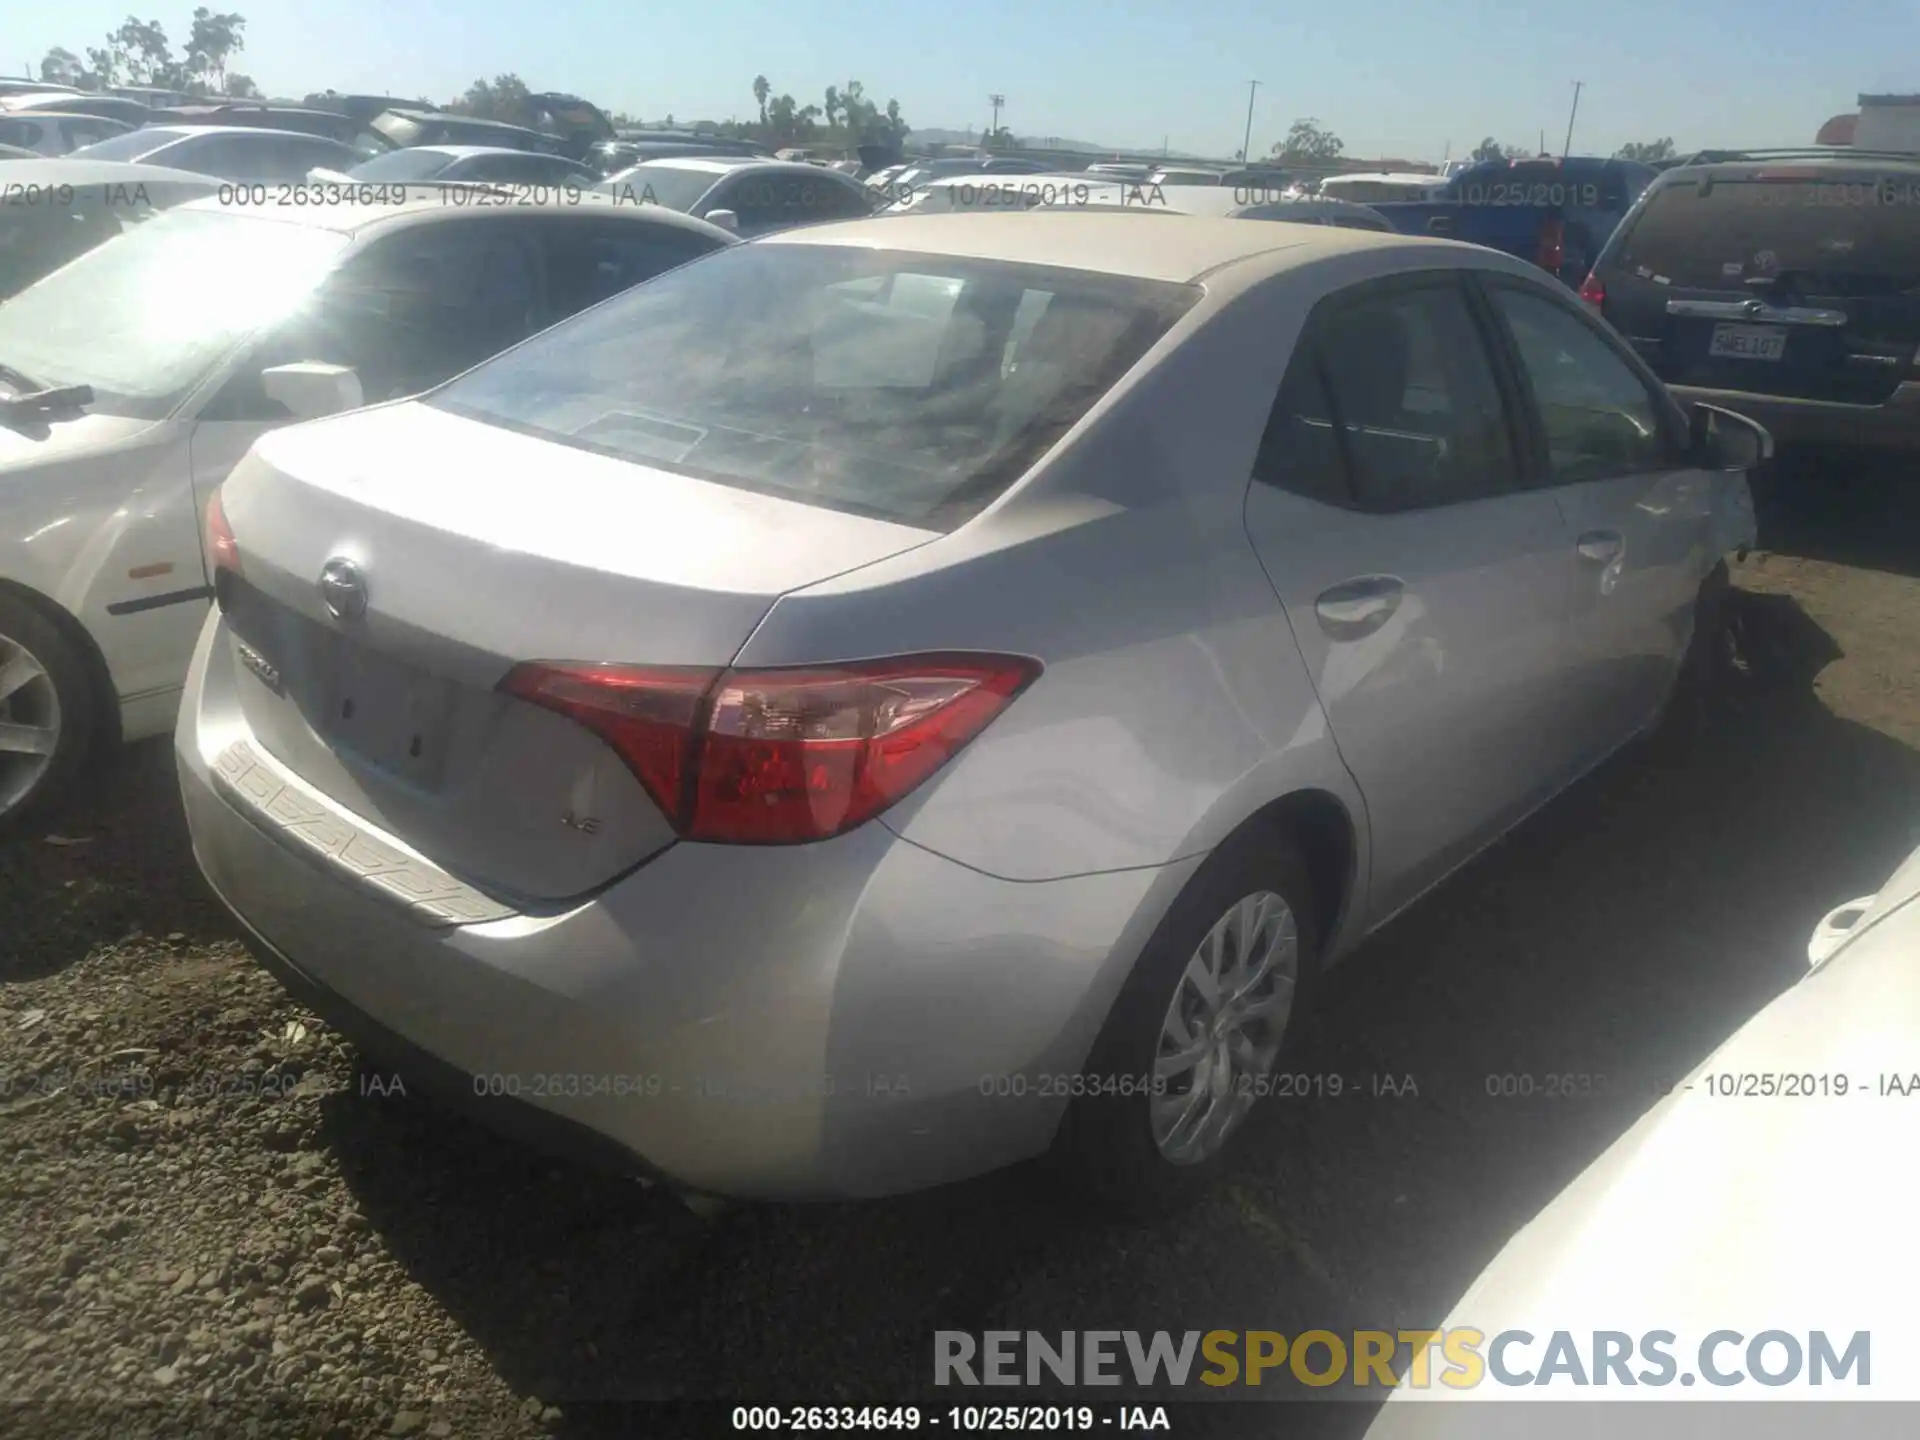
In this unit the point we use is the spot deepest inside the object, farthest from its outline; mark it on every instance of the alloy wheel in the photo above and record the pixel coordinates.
(29, 722)
(1223, 1027)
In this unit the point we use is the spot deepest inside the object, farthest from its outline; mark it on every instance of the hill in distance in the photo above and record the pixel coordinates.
(936, 135)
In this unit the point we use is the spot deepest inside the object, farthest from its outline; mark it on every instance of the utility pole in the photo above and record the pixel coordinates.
(1246, 144)
(997, 101)
(1577, 88)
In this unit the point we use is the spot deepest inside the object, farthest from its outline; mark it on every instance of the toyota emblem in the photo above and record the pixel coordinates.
(344, 588)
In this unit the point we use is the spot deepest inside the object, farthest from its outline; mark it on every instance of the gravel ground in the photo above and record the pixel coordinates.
(213, 1218)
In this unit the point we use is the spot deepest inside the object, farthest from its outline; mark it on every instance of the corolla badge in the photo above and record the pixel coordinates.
(344, 588)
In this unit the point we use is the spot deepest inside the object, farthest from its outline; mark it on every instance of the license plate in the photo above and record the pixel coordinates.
(1748, 342)
(388, 712)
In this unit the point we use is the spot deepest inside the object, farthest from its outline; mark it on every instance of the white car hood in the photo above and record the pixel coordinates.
(24, 446)
(1743, 1212)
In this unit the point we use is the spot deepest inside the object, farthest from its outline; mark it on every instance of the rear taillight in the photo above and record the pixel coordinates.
(1593, 292)
(781, 757)
(1553, 244)
(223, 552)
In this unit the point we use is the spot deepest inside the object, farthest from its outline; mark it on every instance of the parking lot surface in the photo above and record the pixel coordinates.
(211, 1213)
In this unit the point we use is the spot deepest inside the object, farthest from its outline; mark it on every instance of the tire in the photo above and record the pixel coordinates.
(1688, 714)
(46, 689)
(1108, 1149)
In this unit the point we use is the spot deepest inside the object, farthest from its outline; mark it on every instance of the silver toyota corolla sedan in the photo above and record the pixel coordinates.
(901, 697)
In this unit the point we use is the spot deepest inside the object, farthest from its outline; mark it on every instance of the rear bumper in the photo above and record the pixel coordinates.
(818, 1021)
(1892, 427)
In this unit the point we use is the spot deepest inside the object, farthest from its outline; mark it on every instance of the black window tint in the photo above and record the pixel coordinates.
(588, 263)
(415, 309)
(1598, 417)
(1415, 396)
(1853, 234)
(773, 200)
(1300, 451)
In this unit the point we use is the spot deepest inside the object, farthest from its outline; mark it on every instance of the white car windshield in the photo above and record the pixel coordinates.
(142, 317)
(909, 387)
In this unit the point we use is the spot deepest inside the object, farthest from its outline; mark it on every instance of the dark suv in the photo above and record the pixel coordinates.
(1781, 284)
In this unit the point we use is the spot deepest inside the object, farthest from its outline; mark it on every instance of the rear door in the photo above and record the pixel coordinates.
(1611, 450)
(1427, 587)
(1800, 281)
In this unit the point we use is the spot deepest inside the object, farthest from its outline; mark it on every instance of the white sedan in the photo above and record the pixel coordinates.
(134, 378)
(1739, 1241)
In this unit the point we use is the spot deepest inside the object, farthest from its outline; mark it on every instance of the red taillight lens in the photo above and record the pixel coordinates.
(1553, 244)
(781, 757)
(223, 553)
(648, 715)
(1593, 292)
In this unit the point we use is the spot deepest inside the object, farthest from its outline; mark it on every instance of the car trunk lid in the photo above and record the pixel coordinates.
(454, 550)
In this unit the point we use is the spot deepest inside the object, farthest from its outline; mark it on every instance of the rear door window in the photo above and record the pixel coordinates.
(413, 309)
(588, 262)
(774, 201)
(1414, 398)
(1842, 236)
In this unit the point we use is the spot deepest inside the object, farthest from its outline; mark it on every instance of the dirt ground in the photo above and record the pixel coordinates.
(210, 1216)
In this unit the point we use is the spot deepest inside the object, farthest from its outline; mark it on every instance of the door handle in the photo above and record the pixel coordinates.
(1602, 547)
(1357, 608)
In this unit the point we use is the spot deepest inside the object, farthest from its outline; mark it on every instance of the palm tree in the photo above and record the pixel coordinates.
(832, 109)
(761, 90)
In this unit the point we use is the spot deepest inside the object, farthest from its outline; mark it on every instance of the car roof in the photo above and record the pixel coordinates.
(468, 152)
(355, 218)
(1733, 162)
(723, 164)
(1397, 177)
(71, 170)
(1181, 250)
(58, 115)
(188, 132)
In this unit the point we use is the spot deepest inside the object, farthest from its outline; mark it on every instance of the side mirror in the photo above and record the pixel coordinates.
(310, 389)
(1726, 440)
(725, 219)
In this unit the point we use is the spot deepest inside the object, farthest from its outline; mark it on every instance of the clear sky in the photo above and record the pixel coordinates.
(1390, 77)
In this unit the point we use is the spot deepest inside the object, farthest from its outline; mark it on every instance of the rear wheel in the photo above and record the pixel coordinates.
(1191, 1041)
(47, 712)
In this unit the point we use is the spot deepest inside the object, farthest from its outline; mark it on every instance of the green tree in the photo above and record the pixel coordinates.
(1308, 140)
(1491, 149)
(505, 99)
(1646, 151)
(143, 50)
(761, 90)
(241, 87)
(61, 67)
(210, 41)
(832, 108)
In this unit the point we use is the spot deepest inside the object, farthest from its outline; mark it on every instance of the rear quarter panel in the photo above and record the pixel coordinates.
(1174, 704)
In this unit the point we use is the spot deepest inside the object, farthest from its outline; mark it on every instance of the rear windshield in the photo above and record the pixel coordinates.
(1847, 236)
(130, 146)
(418, 163)
(660, 182)
(913, 388)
